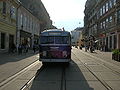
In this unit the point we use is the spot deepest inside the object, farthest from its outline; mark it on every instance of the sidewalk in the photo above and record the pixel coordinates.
(11, 57)
(106, 56)
(11, 63)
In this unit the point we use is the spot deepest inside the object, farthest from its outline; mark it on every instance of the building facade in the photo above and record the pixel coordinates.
(7, 24)
(20, 24)
(77, 36)
(37, 8)
(28, 27)
(102, 21)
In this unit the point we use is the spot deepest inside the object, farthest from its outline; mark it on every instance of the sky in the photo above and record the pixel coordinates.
(66, 13)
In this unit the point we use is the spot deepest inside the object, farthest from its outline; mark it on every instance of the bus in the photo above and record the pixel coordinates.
(55, 46)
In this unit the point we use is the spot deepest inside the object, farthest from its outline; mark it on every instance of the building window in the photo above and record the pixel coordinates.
(107, 22)
(101, 25)
(115, 41)
(114, 2)
(118, 16)
(107, 6)
(110, 42)
(21, 19)
(2, 40)
(12, 12)
(25, 21)
(101, 12)
(104, 9)
(110, 19)
(104, 24)
(4, 8)
(110, 4)
(98, 15)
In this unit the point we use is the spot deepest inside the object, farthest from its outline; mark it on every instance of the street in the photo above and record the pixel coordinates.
(87, 71)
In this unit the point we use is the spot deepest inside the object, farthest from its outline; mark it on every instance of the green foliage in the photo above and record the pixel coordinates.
(116, 51)
(119, 52)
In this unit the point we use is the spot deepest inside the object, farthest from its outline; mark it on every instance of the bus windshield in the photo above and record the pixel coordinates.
(54, 40)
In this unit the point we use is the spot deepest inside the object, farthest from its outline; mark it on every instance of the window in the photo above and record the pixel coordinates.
(12, 12)
(2, 40)
(110, 19)
(21, 19)
(110, 4)
(118, 16)
(107, 6)
(110, 42)
(114, 2)
(54, 40)
(29, 22)
(25, 21)
(101, 25)
(107, 22)
(115, 41)
(4, 8)
(104, 24)
(101, 12)
(104, 9)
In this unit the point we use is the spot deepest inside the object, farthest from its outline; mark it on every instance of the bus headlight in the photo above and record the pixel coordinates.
(44, 53)
(64, 53)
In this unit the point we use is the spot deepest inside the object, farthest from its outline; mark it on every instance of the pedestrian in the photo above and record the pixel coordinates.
(27, 48)
(34, 48)
(20, 49)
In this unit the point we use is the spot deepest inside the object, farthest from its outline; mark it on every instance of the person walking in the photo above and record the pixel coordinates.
(34, 48)
(20, 49)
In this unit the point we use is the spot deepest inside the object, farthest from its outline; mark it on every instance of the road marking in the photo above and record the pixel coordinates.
(10, 79)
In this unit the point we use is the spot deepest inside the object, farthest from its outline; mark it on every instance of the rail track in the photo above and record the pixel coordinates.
(62, 85)
(104, 63)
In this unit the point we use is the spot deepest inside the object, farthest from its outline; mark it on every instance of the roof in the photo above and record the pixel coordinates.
(51, 32)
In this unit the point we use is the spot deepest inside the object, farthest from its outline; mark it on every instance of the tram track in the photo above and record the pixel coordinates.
(62, 85)
(100, 80)
(16, 75)
(26, 86)
(105, 63)
(63, 79)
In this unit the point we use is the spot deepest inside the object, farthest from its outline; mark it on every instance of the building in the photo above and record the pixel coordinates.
(76, 36)
(20, 24)
(28, 27)
(102, 21)
(7, 24)
(37, 8)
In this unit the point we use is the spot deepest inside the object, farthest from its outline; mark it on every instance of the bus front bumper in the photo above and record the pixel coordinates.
(55, 60)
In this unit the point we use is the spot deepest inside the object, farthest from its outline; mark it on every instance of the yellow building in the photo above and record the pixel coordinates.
(7, 24)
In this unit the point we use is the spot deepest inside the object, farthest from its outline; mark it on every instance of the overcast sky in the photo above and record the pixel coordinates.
(66, 13)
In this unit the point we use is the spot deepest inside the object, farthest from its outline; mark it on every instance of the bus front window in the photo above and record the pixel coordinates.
(61, 40)
(51, 40)
(43, 40)
(47, 40)
(65, 40)
(54, 40)
(58, 40)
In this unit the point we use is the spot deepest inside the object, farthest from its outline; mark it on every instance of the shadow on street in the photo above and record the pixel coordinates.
(14, 57)
(48, 77)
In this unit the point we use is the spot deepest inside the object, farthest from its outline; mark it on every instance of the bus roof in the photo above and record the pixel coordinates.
(55, 32)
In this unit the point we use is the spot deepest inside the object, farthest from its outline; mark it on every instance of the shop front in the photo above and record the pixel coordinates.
(25, 38)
